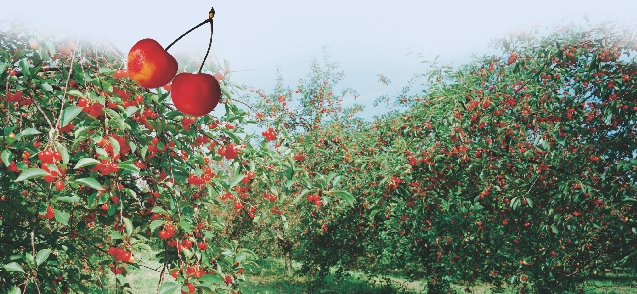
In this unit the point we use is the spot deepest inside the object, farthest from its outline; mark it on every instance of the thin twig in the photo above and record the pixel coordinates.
(66, 86)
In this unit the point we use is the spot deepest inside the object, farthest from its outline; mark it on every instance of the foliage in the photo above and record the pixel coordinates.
(512, 170)
(97, 171)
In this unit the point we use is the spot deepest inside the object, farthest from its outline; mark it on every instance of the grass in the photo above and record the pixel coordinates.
(269, 278)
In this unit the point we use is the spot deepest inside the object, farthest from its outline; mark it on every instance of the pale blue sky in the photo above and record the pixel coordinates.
(366, 38)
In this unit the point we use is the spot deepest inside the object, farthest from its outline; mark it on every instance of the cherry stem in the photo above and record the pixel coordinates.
(188, 32)
(209, 44)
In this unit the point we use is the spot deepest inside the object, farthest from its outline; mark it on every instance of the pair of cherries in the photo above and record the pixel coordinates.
(151, 66)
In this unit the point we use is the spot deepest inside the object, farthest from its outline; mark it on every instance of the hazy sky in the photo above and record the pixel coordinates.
(366, 38)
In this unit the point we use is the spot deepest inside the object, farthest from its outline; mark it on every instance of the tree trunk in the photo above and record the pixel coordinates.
(288, 264)
(286, 245)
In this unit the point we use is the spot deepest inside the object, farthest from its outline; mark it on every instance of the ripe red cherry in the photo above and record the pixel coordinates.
(149, 65)
(121, 73)
(46, 156)
(59, 185)
(125, 256)
(191, 288)
(81, 102)
(163, 234)
(195, 94)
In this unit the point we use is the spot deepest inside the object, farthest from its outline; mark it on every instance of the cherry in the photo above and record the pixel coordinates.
(46, 156)
(149, 65)
(59, 185)
(49, 212)
(125, 256)
(195, 94)
(191, 288)
(163, 234)
(81, 102)
(121, 73)
(175, 273)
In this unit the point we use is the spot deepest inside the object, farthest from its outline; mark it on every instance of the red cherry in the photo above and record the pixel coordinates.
(195, 94)
(59, 185)
(149, 65)
(81, 102)
(46, 156)
(191, 288)
(125, 256)
(163, 234)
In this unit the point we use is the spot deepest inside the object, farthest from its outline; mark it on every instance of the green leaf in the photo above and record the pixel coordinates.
(3, 66)
(185, 225)
(46, 87)
(303, 193)
(24, 66)
(63, 151)
(160, 210)
(69, 199)
(69, 114)
(225, 91)
(116, 119)
(15, 290)
(30, 260)
(6, 157)
(155, 224)
(554, 229)
(90, 182)
(168, 288)
(86, 161)
(345, 196)
(62, 217)
(115, 235)
(76, 93)
(115, 145)
(32, 173)
(42, 256)
(213, 279)
(331, 176)
(130, 110)
(129, 226)
(13, 267)
(237, 179)
(3, 76)
(30, 131)
(51, 48)
(337, 179)
(128, 166)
